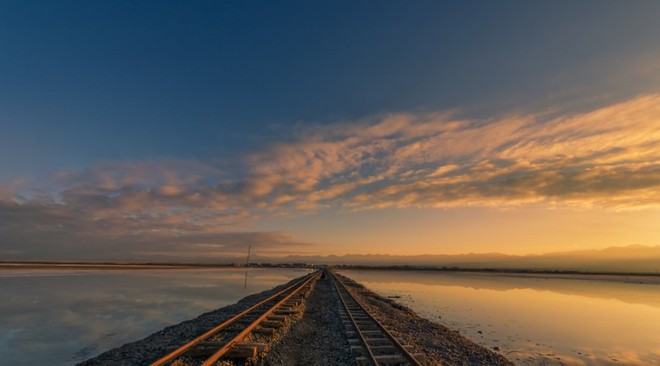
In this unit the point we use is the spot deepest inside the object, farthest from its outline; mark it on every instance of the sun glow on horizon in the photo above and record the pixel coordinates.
(194, 131)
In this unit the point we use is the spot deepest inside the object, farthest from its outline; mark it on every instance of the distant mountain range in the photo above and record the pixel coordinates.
(628, 259)
(634, 258)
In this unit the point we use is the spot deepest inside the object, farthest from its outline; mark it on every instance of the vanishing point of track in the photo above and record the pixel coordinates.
(225, 337)
(370, 342)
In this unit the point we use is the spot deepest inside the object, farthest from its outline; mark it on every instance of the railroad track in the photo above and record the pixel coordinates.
(225, 340)
(370, 342)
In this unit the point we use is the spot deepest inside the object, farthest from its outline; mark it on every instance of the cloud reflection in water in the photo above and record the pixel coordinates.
(62, 317)
(535, 320)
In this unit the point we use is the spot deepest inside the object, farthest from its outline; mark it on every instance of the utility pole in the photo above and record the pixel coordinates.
(247, 266)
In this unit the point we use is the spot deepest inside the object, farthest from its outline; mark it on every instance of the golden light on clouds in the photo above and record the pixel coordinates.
(605, 159)
(609, 156)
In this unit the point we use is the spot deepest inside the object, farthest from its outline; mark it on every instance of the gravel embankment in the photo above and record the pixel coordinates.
(440, 345)
(318, 336)
(149, 349)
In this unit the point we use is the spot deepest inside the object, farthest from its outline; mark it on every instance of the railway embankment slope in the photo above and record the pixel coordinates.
(317, 336)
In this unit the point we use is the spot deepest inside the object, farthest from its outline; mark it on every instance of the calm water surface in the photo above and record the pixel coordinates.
(61, 317)
(535, 321)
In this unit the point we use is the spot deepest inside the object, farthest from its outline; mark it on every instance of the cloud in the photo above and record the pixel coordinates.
(608, 157)
(53, 231)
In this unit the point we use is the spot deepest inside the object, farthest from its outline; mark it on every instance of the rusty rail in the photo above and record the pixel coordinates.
(292, 290)
(354, 309)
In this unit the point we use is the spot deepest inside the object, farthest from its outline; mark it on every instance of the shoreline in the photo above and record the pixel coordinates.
(626, 277)
(103, 265)
(650, 279)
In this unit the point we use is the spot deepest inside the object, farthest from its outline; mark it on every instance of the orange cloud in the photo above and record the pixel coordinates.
(608, 157)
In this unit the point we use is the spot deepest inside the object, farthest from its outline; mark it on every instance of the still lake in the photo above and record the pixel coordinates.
(536, 320)
(63, 316)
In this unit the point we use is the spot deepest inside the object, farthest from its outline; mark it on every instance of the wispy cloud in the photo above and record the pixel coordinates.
(59, 231)
(608, 157)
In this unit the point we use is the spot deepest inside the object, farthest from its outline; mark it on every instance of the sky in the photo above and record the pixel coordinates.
(171, 130)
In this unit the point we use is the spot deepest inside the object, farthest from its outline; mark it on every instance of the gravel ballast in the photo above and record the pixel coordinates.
(317, 337)
(439, 344)
(151, 348)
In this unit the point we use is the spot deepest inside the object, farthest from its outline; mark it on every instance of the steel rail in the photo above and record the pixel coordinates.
(404, 352)
(254, 324)
(183, 349)
(371, 356)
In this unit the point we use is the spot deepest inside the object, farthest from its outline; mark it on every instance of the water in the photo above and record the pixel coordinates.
(535, 320)
(61, 317)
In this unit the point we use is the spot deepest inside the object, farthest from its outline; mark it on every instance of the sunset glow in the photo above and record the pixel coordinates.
(413, 148)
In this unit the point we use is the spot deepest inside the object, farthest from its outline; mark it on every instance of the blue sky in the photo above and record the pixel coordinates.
(185, 97)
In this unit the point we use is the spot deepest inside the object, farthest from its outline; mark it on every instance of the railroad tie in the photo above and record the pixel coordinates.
(272, 324)
(226, 339)
(371, 343)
